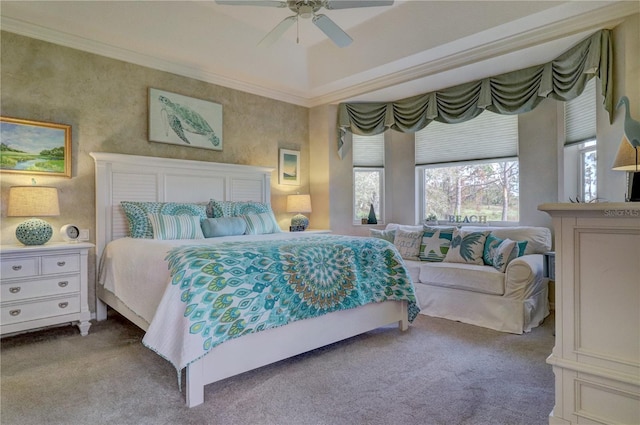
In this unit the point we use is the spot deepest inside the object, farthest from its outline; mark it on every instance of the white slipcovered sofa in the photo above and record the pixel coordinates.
(514, 300)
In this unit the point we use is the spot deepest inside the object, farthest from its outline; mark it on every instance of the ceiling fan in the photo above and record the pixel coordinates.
(307, 9)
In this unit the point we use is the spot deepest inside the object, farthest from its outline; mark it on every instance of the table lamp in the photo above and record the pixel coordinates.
(33, 201)
(299, 204)
(627, 160)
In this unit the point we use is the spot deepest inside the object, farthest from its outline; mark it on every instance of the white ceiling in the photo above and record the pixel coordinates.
(412, 47)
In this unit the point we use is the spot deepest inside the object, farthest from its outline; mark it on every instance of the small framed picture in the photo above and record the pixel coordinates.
(289, 170)
(35, 147)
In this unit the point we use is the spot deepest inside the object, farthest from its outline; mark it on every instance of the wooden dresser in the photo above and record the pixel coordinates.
(44, 285)
(596, 358)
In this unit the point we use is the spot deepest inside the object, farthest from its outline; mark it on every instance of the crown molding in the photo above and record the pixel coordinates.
(355, 85)
(84, 44)
(606, 17)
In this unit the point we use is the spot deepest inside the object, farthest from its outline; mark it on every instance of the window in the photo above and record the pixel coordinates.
(580, 146)
(469, 170)
(589, 172)
(368, 177)
(486, 189)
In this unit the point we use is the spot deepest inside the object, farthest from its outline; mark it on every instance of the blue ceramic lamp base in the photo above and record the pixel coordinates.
(34, 232)
(300, 220)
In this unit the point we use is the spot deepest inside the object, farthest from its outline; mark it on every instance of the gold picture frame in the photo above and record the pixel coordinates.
(35, 147)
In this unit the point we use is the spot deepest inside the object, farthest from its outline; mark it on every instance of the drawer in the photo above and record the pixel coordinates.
(20, 290)
(60, 263)
(19, 267)
(23, 312)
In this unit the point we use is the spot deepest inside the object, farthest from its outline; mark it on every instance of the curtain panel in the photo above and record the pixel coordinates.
(516, 92)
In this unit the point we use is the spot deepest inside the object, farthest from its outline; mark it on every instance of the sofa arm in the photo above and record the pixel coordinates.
(524, 276)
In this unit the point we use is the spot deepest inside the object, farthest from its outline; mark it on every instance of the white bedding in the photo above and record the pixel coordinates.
(142, 275)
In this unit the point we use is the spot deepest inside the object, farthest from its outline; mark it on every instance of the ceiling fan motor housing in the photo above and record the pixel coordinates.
(304, 8)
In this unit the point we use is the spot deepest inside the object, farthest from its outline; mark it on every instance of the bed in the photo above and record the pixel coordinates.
(138, 297)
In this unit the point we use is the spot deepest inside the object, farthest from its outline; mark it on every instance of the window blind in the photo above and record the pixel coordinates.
(580, 116)
(487, 136)
(368, 151)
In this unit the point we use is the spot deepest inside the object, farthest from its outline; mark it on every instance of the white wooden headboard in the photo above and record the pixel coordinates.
(122, 177)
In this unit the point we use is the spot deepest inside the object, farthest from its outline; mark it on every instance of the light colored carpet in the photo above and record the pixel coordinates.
(438, 372)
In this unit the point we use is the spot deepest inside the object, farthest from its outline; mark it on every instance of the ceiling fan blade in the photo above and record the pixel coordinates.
(277, 32)
(350, 4)
(332, 30)
(268, 3)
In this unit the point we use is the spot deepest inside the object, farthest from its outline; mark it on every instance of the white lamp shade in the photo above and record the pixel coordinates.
(299, 203)
(33, 201)
(626, 157)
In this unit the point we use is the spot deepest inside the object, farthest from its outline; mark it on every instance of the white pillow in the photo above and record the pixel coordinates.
(387, 235)
(466, 247)
(167, 227)
(408, 243)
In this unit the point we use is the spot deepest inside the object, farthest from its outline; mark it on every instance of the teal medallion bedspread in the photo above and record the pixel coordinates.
(227, 290)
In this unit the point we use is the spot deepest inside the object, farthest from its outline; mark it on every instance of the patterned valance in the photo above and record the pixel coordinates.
(516, 92)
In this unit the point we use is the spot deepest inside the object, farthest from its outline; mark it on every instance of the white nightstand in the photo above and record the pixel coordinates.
(44, 285)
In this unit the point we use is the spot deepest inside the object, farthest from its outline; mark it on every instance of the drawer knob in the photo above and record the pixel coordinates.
(15, 312)
(63, 283)
(17, 268)
(63, 305)
(61, 263)
(14, 290)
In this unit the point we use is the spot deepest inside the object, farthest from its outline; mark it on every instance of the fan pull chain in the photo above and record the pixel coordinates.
(297, 30)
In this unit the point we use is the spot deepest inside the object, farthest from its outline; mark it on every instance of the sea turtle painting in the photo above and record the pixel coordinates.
(183, 120)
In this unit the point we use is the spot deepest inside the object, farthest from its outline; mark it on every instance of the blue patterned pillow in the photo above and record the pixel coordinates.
(139, 224)
(506, 251)
(435, 243)
(169, 227)
(217, 209)
(492, 244)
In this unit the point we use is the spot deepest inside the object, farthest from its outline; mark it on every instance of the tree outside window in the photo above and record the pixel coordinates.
(488, 189)
(367, 191)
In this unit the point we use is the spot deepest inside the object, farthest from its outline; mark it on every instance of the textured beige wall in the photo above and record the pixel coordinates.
(105, 102)
(322, 138)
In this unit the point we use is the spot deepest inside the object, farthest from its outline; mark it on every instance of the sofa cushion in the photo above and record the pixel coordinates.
(413, 267)
(538, 238)
(467, 247)
(387, 235)
(496, 251)
(405, 227)
(408, 243)
(470, 277)
(435, 243)
(506, 251)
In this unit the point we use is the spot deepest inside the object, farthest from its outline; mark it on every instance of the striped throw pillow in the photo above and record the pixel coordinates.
(167, 227)
(139, 224)
(259, 224)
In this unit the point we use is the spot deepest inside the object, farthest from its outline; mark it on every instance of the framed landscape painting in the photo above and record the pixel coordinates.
(184, 121)
(289, 167)
(34, 147)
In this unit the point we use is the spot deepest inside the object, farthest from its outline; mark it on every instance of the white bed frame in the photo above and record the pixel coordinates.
(138, 178)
